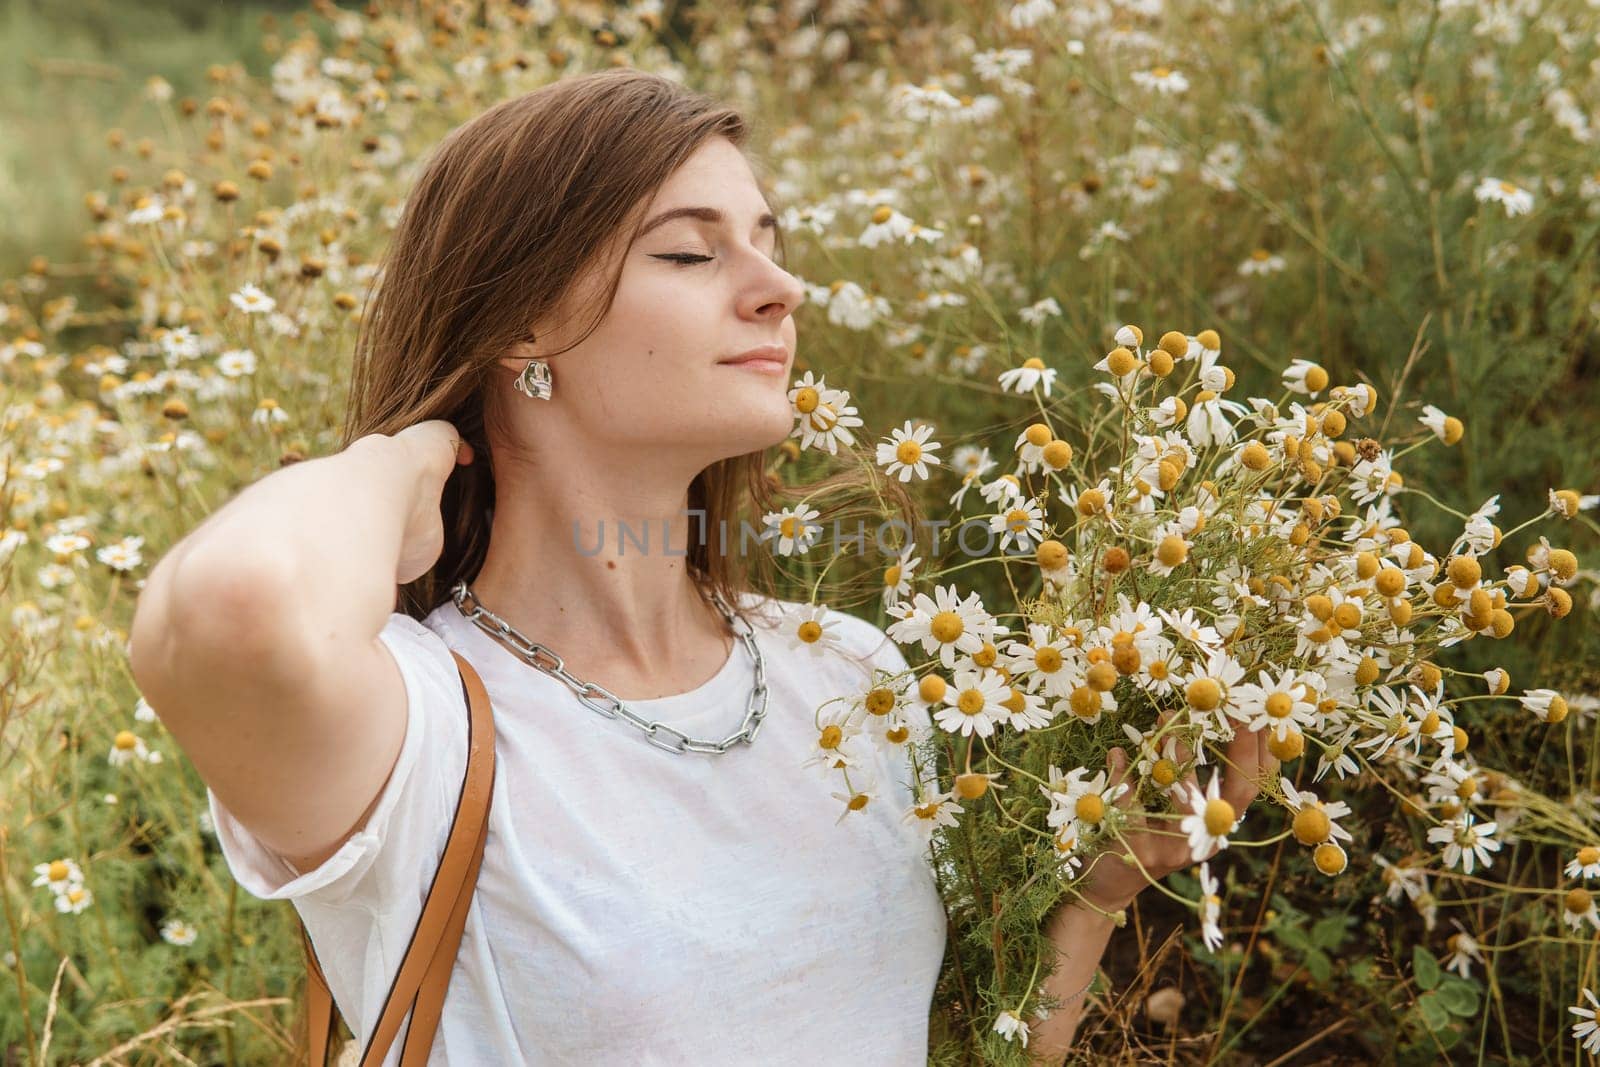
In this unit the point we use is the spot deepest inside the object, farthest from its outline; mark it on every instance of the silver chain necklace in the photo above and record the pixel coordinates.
(609, 705)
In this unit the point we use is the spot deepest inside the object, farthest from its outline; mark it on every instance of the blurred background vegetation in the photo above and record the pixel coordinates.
(1349, 135)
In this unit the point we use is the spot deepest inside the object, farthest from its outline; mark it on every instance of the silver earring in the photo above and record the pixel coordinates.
(534, 381)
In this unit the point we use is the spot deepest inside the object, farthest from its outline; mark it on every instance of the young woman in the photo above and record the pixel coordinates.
(581, 340)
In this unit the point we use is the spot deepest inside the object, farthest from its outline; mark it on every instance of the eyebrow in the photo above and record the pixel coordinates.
(704, 214)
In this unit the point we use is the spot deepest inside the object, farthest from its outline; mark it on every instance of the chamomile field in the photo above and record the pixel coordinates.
(1244, 357)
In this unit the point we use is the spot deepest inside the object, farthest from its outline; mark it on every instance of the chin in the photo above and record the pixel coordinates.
(755, 434)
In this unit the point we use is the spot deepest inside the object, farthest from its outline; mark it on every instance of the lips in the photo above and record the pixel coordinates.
(774, 354)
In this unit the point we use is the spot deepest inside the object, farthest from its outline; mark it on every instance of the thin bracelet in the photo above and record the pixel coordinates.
(1082, 991)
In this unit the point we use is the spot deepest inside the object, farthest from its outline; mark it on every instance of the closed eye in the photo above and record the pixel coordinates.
(684, 259)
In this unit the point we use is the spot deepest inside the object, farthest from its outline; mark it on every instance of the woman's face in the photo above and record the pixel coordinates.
(696, 290)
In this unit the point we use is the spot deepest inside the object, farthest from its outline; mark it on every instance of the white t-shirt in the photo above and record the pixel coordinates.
(635, 905)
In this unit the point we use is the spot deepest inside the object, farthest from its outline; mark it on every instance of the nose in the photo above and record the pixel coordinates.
(778, 292)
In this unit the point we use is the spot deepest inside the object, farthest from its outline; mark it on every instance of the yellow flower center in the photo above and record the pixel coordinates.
(880, 701)
(946, 626)
(1204, 694)
(1091, 808)
(125, 741)
(59, 870)
(1279, 705)
(1312, 826)
(810, 631)
(908, 452)
(831, 736)
(1219, 817)
(806, 400)
(1047, 659)
(1165, 772)
(970, 702)
(891, 576)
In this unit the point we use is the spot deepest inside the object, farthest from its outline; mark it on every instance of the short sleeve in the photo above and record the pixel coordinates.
(392, 855)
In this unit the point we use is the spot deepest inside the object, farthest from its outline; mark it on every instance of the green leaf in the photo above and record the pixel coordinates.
(1292, 937)
(1319, 965)
(1425, 967)
(1433, 1013)
(1459, 997)
(1328, 932)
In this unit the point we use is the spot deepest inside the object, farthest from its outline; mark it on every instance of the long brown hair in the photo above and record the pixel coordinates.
(509, 211)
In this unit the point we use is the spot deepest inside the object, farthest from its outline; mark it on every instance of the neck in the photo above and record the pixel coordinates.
(596, 569)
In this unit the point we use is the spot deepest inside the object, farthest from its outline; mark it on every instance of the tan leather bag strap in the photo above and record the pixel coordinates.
(419, 985)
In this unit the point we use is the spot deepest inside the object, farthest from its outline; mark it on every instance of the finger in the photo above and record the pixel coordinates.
(1117, 763)
(1241, 779)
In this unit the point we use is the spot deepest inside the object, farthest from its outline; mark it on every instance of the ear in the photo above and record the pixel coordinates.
(517, 356)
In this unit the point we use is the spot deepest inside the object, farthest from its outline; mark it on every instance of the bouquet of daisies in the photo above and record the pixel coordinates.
(1184, 569)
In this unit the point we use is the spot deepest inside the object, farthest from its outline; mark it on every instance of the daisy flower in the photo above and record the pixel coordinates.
(839, 744)
(1024, 710)
(75, 899)
(897, 576)
(1162, 80)
(1212, 689)
(1261, 261)
(1587, 1031)
(1032, 373)
(1277, 703)
(1210, 821)
(822, 415)
(125, 747)
(1305, 377)
(933, 812)
(1210, 909)
(1465, 842)
(1208, 423)
(792, 528)
(973, 463)
(1547, 704)
(178, 932)
(1042, 661)
(1515, 199)
(1006, 489)
(1313, 820)
(1171, 550)
(1585, 864)
(268, 412)
(59, 875)
(1447, 428)
(252, 301)
(1577, 908)
(1403, 877)
(1464, 951)
(856, 800)
(812, 629)
(908, 451)
(1021, 525)
(1086, 801)
(946, 623)
(1008, 1024)
(975, 703)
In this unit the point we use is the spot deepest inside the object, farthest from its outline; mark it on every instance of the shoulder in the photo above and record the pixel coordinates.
(424, 655)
